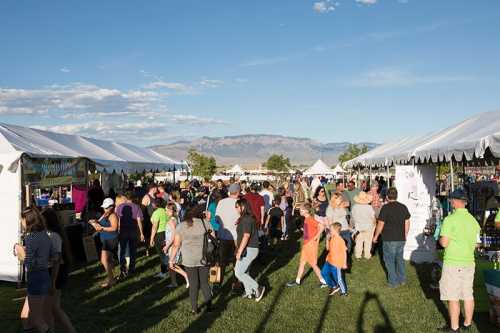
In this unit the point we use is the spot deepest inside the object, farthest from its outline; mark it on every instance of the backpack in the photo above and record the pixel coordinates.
(210, 247)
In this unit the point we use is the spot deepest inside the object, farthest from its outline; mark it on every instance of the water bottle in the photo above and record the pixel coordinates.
(496, 261)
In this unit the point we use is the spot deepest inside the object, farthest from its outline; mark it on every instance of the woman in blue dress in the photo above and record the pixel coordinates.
(107, 227)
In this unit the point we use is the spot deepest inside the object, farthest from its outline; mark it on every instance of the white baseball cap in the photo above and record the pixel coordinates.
(108, 202)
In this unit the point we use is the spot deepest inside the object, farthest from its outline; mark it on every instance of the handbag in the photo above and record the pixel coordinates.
(215, 274)
(209, 257)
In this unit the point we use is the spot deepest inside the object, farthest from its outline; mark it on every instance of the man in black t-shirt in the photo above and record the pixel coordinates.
(393, 225)
(275, 220)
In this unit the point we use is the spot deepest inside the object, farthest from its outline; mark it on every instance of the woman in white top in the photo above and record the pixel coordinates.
(337, 212)
(363, 220)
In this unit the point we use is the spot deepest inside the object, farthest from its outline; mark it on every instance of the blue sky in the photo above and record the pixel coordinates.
(148, 72)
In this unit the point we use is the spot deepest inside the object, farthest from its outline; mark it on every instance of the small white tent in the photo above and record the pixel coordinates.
(319, 169)
(338, 169)
(235, 170)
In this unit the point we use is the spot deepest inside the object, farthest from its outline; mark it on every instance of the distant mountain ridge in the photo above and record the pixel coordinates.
(253, 149)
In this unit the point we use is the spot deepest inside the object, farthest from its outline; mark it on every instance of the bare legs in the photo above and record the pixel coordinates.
(179, 270)
(107, 262)
(55, 313)
(454, 312)
(469, 311)
(315, 268)
(32, 314)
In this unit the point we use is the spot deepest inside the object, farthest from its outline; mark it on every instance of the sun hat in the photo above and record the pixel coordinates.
(108, 202)
(363, 198)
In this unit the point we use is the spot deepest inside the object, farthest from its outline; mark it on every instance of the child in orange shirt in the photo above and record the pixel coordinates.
(335, 261)
(310, 246)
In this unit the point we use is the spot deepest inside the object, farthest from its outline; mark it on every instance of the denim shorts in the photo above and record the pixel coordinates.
(38, 283)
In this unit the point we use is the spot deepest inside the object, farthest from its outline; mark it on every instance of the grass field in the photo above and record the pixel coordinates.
(144, 304)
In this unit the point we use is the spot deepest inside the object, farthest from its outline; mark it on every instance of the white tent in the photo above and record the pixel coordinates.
(338, 169)
(108, 155)
(468, 139)
(235, 170)
(320, 169)
(17, 141)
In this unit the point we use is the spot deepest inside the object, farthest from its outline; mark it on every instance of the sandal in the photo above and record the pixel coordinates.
(107, 285)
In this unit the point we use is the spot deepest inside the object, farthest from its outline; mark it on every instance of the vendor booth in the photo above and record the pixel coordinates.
(42, 168)
(474, 142)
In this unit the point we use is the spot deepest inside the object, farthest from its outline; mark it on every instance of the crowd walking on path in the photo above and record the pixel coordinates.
(201, 229)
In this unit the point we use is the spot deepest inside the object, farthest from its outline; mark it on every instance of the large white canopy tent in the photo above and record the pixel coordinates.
(319, 168)
(17, 142)
(469, 139)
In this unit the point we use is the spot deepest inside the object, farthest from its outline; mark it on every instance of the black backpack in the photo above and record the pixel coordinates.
(210, 247)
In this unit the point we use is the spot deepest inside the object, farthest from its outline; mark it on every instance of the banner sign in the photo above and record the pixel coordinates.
(55, 172)
(416, 187)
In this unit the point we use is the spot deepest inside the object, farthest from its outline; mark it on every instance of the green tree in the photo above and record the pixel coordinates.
(352, 151)
(201, 165)
(278, 163)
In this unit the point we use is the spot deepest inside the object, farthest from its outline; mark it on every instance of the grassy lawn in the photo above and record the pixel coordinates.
(144, 304)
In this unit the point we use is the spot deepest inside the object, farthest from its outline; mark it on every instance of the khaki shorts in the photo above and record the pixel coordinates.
(457, 283)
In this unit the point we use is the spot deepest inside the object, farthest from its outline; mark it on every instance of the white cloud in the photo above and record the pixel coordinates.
(325, 6)
(139, 132)
(76, 98)
(194, 120)
(211, 83)
(118, 131)
(179, 87)
(393, 77)
(65, 70)
(367, 2)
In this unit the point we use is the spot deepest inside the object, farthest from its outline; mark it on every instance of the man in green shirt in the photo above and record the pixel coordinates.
(351, 192)
(459, 236)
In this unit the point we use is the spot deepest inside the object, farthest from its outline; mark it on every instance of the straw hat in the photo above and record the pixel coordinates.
(363, 198)
(183, 185)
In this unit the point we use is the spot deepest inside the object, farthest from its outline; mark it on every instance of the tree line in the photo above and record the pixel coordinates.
(206, 166)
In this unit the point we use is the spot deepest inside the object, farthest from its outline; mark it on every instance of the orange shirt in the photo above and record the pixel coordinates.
(311, 228)
(337, 252)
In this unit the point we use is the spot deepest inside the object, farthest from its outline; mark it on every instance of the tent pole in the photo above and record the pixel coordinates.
(452, 175)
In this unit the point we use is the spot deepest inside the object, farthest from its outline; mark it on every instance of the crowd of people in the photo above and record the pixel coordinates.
(201, 228)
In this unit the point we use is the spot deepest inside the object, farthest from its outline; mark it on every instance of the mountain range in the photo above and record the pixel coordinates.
(253, 150)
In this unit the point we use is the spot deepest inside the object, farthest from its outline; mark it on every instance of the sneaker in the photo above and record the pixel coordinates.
(466, 328)
(344, 294)
(293, 284)
(161, 275)
(122, 276)
(247, 296)
(333, 291)
(447, 328)
(260, 293)
(323, 285)
(172, 286)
